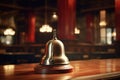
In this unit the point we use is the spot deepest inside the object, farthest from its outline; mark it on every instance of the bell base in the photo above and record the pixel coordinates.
(51, 69)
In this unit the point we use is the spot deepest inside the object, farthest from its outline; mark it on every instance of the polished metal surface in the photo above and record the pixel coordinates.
(54, 52)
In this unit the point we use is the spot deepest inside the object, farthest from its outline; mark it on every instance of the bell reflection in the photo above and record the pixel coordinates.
(54, 59)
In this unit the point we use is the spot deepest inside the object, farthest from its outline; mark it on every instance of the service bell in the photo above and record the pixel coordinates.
(54, 52)
(54, 59)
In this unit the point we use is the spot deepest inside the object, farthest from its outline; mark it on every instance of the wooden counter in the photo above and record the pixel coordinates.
(83, 69)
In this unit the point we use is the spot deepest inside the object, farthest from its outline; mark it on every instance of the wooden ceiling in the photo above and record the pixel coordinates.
(13, 6)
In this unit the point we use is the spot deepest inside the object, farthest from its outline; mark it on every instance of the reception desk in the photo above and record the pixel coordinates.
(93, 69)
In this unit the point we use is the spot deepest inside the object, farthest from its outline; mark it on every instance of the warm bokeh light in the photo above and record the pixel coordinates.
(9, 69)
(54, 16)
(114, 34)
(103, 18)
(9, 31)
(45, 28)
(77, 31)
(103, 23)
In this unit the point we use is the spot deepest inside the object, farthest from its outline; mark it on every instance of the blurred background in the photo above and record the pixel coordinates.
(88, 29)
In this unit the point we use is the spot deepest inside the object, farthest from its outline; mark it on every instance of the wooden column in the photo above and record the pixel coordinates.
(66, 19)
(30, 37)
(89, 28)
(117, 19)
